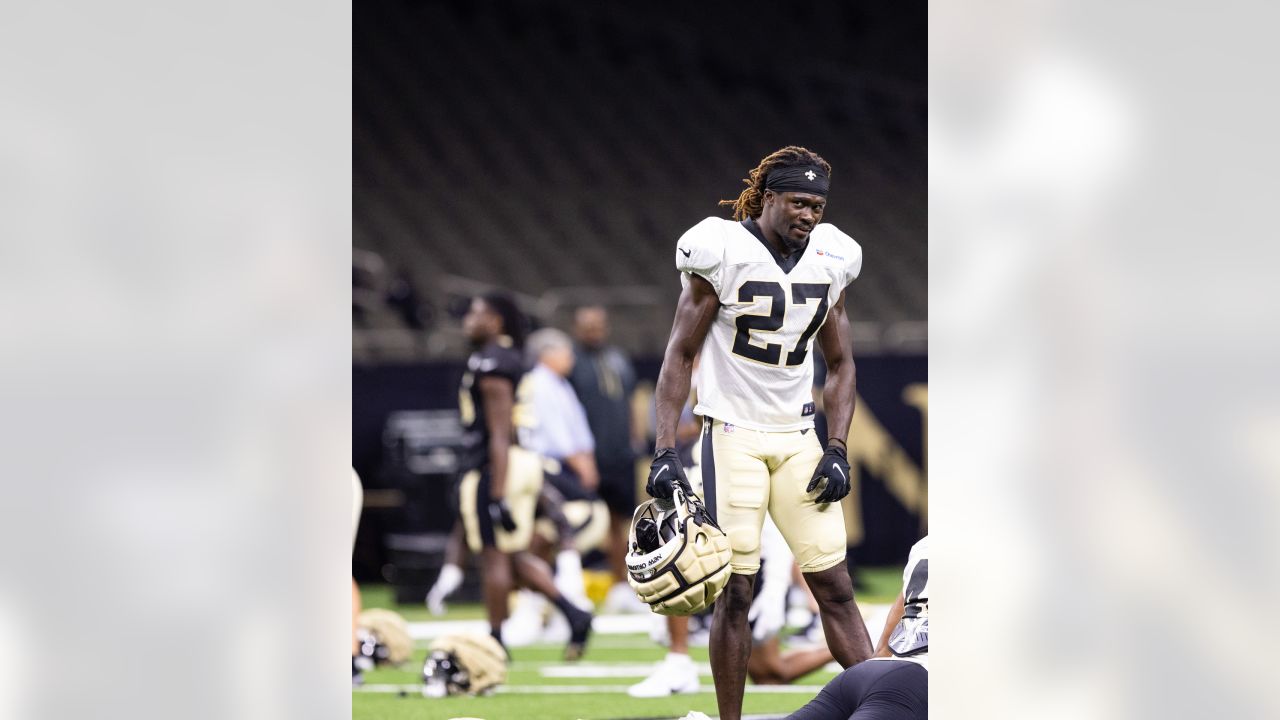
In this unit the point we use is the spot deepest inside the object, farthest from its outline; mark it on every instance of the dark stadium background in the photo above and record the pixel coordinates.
(557, 149)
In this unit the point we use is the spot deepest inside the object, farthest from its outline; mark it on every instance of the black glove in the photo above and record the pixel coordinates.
(664, 473)
(834, 466)
(500, 514)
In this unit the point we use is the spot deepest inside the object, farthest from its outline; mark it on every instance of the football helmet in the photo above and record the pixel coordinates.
(677, 557)
(384, 638)
(463, 664)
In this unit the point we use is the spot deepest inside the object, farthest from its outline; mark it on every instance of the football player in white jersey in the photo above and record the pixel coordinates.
(757, 291)
(894, 685)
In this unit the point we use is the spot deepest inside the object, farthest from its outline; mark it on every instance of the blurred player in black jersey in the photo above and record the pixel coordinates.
(501, 481)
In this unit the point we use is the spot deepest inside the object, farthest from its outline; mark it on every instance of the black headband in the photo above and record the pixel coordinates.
(803, 178)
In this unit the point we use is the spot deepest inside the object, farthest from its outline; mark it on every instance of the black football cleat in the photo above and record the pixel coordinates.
(579, 631)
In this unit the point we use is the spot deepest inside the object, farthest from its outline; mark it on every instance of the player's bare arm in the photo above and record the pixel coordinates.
(695, 310)
(838, 399)
(840, 392)
(499, 399)
(896, 612)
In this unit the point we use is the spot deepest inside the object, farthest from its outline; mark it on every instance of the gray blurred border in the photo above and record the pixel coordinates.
(174, 247)
(1102, 313)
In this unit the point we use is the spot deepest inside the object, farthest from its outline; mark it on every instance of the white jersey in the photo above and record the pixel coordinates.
(910, 639)
(756, 369)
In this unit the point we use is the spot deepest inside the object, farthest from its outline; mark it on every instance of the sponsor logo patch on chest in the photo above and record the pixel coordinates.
(828, 253)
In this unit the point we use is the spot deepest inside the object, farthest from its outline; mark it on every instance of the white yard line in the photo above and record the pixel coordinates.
(873, 614)
(602, 625)
(591, 689)
(609, 670)
(606, 642)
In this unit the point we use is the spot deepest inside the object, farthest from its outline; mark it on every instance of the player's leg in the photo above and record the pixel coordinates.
(456, 551)
(795, 664)
(496, 579)
(450, 577)
(570, 517)
(839, 698)
(554, 542)
(735, 483)
(525, 625)
(524, 485)
(536, 575)
(769, 665)
(763, 667)
(589, 520)
(878, 690)
(552, 532)
(731, 644)
(456, 556)
(816, 534)
(842, 622)
(900, 692)
(496, 587)
(546, 538)
(552, 523)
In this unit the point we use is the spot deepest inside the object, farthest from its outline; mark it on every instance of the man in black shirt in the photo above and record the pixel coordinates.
(604, 380)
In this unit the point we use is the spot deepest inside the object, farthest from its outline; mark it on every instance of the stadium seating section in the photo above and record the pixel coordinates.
(559, 148)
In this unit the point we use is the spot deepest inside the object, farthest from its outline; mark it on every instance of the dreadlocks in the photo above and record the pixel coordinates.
(751, 202)
(513, 321)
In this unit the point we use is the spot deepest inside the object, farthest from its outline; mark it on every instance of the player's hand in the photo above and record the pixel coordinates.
(500, 514)
(834, 466)
(664, 473)
(768, 612)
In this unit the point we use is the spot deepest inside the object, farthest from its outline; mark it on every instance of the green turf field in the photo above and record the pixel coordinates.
(542, 686)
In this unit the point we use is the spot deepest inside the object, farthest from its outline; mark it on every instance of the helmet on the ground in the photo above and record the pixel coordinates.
(463, 664)
(384, 638)
(677, 557)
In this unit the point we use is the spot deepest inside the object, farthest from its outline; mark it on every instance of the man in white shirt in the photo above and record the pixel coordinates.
(551, 421)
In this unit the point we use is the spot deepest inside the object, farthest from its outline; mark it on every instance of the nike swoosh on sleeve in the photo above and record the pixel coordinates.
(686, 252)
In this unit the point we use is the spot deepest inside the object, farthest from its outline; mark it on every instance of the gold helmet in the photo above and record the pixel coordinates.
(678, 558)
(384, 638)
(463, 664)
